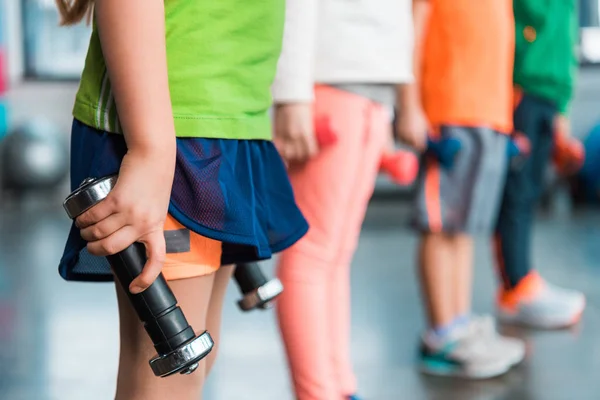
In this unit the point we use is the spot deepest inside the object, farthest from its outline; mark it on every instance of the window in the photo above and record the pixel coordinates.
(51, 51)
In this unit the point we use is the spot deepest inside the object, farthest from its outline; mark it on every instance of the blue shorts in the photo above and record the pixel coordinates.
(233, 191)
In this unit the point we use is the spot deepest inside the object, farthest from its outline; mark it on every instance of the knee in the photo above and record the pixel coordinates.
(304, 265)
(520, 199)
(136, 382)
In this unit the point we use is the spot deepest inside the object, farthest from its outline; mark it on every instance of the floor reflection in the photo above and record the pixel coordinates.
(59, 340)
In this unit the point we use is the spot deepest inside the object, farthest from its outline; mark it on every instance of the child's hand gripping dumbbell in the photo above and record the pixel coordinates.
(400, 165)
(568, 154)
(444, 150)
(179, 348)
(519, 148)
(403, 166)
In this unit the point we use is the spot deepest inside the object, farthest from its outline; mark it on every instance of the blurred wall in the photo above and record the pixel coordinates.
(13, 31)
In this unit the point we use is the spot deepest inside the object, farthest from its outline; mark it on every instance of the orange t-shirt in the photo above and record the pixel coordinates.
(466, 76)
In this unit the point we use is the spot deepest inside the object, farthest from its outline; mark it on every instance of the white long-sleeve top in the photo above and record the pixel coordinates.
(342, 42)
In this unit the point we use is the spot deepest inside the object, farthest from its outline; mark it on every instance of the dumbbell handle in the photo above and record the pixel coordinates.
(156, 306)
(178, 348)
(249, 277)
(436, 145)
(433, 145)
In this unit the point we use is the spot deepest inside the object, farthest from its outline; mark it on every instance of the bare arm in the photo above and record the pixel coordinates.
(410, 93)
(295, 71)
(293, 89)
(132, 34)
(412, 125)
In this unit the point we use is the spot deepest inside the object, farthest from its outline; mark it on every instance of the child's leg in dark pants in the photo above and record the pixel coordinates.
(523, 189)
(533, 118)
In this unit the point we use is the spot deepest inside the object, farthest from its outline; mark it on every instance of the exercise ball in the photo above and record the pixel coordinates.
(34, 156)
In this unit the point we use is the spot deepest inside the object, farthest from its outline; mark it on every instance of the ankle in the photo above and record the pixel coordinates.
(462, 320)
(526, 289)
(442, 334)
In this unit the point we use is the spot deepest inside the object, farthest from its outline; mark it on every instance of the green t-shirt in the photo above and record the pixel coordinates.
(545, 57)
(222, 56)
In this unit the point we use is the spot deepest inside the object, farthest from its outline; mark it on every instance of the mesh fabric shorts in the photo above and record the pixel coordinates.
(234, 192)
(465, 198)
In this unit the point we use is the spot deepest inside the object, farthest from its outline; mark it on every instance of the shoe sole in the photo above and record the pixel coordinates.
(453, 372)
(514, 319)
(517, 360)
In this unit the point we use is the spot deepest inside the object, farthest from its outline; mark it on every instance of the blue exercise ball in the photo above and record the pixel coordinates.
(34, 156)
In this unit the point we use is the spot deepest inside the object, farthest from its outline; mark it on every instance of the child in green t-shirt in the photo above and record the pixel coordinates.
(175, 97)
(544, 74)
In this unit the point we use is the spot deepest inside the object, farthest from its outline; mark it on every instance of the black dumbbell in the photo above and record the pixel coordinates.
(257, 290)
(179, 348)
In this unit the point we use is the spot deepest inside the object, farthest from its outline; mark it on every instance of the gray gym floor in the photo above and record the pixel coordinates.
(58, 340)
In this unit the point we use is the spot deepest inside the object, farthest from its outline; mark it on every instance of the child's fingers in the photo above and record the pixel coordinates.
(95, 214)
(114, 243)
(156, 253)
(312, 146)
(104, 228)
(301, 150)
(279, 145)
(421, 142)
(290, 152)
(303, 147)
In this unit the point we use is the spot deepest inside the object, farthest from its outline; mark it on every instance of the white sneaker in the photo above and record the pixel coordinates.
(513, 348)
(546, 307)
(468, 354)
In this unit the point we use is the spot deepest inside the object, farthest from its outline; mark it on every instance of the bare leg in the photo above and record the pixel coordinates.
(463, 274)
(215, 310)
(135, 379)
(436, 267)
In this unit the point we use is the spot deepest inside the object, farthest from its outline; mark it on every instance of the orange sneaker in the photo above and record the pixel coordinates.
(538, 304)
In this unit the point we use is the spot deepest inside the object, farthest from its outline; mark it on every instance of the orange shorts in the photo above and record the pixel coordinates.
(189, 254)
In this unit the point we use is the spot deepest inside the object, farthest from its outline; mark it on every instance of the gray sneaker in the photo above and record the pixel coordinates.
(469, 354)
(513, 348)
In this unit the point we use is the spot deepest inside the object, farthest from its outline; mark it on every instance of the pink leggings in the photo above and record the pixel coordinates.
(333, 191)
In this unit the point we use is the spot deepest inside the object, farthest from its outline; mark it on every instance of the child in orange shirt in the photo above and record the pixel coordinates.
(463, 88)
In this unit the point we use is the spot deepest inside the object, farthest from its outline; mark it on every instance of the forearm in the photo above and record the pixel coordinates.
(132, 34)
(409, 94)
(294, 81)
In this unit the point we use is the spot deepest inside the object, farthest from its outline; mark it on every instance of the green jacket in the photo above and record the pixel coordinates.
(547, 32)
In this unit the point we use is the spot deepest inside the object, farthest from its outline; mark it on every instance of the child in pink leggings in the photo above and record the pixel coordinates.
(337, 76)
